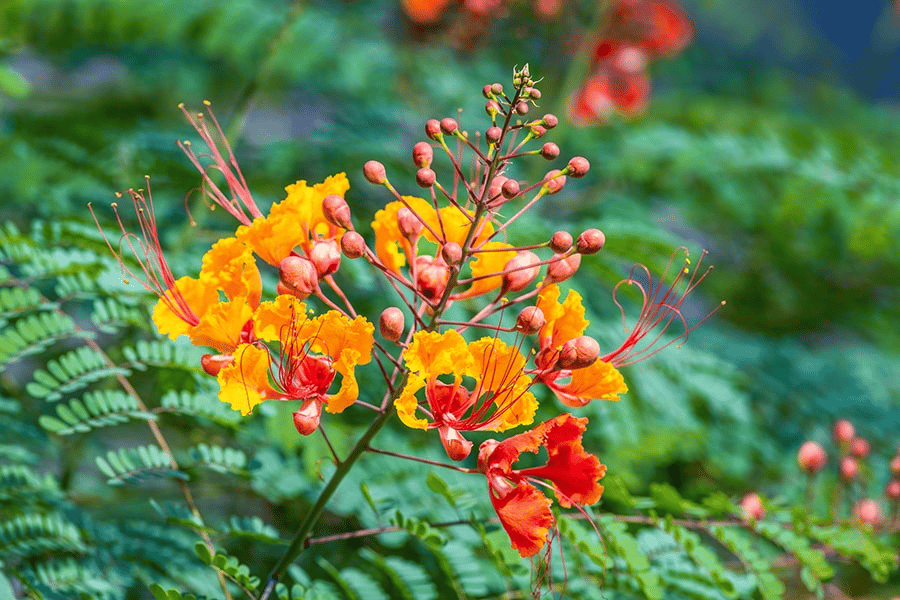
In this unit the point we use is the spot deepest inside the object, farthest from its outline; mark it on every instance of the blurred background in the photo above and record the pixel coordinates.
(766, 133)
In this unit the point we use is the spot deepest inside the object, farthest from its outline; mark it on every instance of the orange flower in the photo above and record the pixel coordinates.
(499, 401)
(570, 472)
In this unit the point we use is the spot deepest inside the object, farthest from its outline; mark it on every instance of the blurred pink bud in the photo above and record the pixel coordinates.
(843, 431)
(578, 167)
(752, 507)
(562, 269)
(451, 253)
(868, 512)
(425, 177)
(550, 151)
(326, 256)
(422, 154)
(532, 93)
(520, 271)
(336, 211)
(448, 125)
(530, 320)
(892, 490)
(306, 420)
(353, 245)
(590, 241)
(849, 469)
(213, 363)
(579, 353)
(457, 447)
(895, 466)
(432, 275)
(298, 276)
(859, 447)
(811, 457)
(561, 242)
(433, 129)
(410, 225)
(374, 172)
(496, 88)
(555, 181)
(392, 323)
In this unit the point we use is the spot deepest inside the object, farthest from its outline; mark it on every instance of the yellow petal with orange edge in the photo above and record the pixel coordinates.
(221, 326)
(599, 381)
(273, 319)
(199, 295)
(486, 263)
(407, 404)
(336, 334)
(431, 353)
(230, 266)
(245, 383)
(499, 369)
(563, 322)
(389, 242)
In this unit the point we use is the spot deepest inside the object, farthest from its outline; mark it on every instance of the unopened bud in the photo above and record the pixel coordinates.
(562, 269)
(550, 121)
(578, 167)
(326, 256)
(496, 88)
(590, 241)
(457, 447)
(391, 323)
(451, 253)
(425, 177)
(298, 276)
(533, 93)
(859, 447)
(555, 181)
(510, 188)
(752, 507)
(486, 91)
(811, 457)
(422, 154)
(550, 151)
(213, 363)
(433, 129)
(561, 242)
(520, 271)
(432, 275)
(579, 353)
(538, 131)
(868, 512)
(336, 211)
(484, 454)
(895, 466)
(521, 107)
(496, 188)
(306, 420)
(374, 172)
(849, 469)
(892, 490)
(353, 245)
(448, 125)
(843, 431)
(491, 108)
(492, 135)
(410, 225)
(530, 320)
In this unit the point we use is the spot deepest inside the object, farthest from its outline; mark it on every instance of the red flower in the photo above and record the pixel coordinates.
(570, 472)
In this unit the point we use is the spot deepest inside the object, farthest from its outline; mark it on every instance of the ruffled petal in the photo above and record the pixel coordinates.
(525, 515)
(499, 369)
(303, 205)
(349, 390)
(434, 353)
(486, 263)
(199, 295)
(453, 223)
(599, 381)
(563, 322)
(407, 404)
(389, 242)
(220, 327)
(336, 334)
(245, 383)
(271, 319)
(229, 266)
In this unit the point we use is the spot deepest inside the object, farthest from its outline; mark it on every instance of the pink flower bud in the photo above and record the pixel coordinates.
(555, 181)
(374, 172)
(422, 154)
(510, 189)
(562, 269)
(811, 457)
(336, 211)
(451, 253)
(298, 276)
(492, 135)
(491, 108)
(550, 151)
(306, 420)
(533, 93)
(521, 107)
(448, 125)
(457, 447)
(432, 275)
(353, 245)
(895, 466)
(496, 188)
(409, 224)
(391, 323)
(859, 447)
(550, 121)
(425, 177)
(538, 131)
(578, 167)
(892, 490)
(843, 431)
(496, 88)
(868, 512)
(561, 242)
(530, 320)
(520, 271)
(752, 507)
(433, 129)
(213, 363)
(579, 353)
(486, 91)
(849, 469)
(590, 241)
(326, 256)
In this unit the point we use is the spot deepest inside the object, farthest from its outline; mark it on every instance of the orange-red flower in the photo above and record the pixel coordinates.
(570, 472)
(499, 400)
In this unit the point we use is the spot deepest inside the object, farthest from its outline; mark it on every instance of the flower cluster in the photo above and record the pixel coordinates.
(446, 246)
(638, 31)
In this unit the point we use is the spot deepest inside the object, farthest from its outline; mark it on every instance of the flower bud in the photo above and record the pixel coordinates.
(486, 91)
(457, 447)
(521, 107)
(425, 177)
(550, 151)
(433, 129)
(811, 457)
(491, 108)
(496, 88)
(391, 323)
(336, 211)
(590, 241)
(213, 363)
(555, 181)
(578, 167)
(859, 447)
(496, 188)
(509, 189)
(562, 269)
(484, 454)
(353, 245)
(895, 466)
(306, 420)
(492, 135)
(561, 242)
(326, 256)
(374, 172)
(520, 270)
(533, 93)
(579, 353)
(422, 154)
(849, 469)
(451, 253)
(892, 490)
(448, 125)
(550, 121)
(530, 320)
(868, 512)
(843, 431)
(752, 507)
(432, 275)
(298, 276)
(538, 131)
(409, 224)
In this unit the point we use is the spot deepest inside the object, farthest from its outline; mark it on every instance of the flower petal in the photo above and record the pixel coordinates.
(220, 327)
(229, 266)
(486, 263)
(407, 403)
(599, 381)
(500, 369)
(272, 318)
(525, 515)
(245, 383)
(389, 242)
(563, 322)
(199, 295)
(431, 353)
